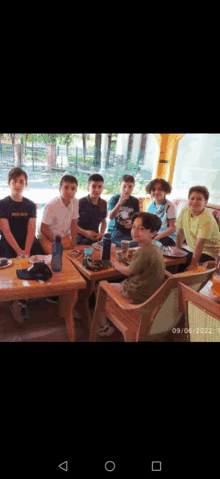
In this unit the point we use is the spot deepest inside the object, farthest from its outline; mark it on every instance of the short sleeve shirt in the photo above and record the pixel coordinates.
(90, 215)
(59, 217)
(116, 226)
(18, 214)
(201, 226)
(166, 211)
(148, 270)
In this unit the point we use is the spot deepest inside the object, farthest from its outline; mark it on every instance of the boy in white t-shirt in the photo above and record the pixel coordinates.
(60, 216)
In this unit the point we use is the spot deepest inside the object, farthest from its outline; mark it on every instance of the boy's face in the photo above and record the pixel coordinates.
(126, 188)
(95, 188)
(67, 191)
(17, 185)
(197, 202)
(140, 234)
(157, 193)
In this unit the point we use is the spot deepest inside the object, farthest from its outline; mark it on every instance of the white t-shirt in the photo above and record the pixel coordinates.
(59, 217)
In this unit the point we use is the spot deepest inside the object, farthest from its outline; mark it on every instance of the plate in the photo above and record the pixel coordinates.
(171, 252)
(6, 265)
(46, 258)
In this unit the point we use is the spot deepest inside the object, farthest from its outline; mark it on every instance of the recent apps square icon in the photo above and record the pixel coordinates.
(156, 466)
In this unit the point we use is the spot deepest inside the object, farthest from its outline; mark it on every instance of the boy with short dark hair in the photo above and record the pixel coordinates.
(199, 228)
(92, 212)
(18, 226)
(121, 208)
(146, 271)
(60, 216)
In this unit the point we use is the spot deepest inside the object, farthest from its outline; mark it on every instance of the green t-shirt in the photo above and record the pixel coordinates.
(201, 226)
(148, 270)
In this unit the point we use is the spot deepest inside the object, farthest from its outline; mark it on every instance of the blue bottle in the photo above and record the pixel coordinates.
(57, 254)
(106, 251)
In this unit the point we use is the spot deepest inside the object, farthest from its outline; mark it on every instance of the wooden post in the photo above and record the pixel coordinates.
(168, 145)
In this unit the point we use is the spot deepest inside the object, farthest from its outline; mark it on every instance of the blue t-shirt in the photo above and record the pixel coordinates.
(116, 226)
(166, 211)
(90, 215)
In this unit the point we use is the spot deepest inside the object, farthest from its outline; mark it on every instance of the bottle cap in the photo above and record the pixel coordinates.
(107, 236)
(57, 238)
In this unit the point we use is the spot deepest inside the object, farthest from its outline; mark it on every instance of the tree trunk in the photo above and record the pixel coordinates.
(97, 156)
(67, 146)
(108, 149)
(84, 146)
(130, 144)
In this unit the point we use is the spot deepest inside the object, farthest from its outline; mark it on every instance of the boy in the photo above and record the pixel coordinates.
(60, 216)
(121, 208)
(92, 212)
(146, 271)
(18, 225)
(164, 209)
(199, 228)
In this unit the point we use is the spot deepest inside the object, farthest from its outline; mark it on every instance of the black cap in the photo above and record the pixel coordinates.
(57, 238)
(37, 271)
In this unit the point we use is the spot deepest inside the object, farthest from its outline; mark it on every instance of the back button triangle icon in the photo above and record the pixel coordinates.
(64, 466)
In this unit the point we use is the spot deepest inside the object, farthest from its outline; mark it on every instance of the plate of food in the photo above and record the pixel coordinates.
(40, 257)
(5, 262)
(173, 252)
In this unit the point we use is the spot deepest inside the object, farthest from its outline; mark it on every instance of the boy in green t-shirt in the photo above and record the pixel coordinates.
(146, 271)
(199, 228)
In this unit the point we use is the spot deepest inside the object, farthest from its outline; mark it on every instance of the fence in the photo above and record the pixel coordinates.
(6, 156)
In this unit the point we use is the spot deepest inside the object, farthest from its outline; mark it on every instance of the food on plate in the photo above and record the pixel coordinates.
(34, 259)
(3, 261)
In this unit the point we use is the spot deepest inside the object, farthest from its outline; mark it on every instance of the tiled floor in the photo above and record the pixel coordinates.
(45, 325)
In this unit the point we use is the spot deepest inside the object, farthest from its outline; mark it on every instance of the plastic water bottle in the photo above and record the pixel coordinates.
(57, 254)
(106, 251)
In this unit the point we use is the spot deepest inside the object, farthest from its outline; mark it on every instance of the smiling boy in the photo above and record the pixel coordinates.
(60, 216)
(146, 271)
(199, 228)
(92, 212)
(121, 208)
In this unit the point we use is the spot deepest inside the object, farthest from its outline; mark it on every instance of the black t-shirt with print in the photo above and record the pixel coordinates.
(18, 214)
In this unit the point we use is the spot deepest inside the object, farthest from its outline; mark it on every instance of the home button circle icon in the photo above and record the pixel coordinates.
(110, 466)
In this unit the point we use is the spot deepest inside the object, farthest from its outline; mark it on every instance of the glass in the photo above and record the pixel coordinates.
(23, 261)
(88, 252)
(124, 246)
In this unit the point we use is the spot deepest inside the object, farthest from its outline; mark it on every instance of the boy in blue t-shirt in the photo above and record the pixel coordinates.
(121, 208)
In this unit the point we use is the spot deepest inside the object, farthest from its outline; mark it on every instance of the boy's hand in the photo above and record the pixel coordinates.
(210, 264)
(98, 236)
(129, 254)
(123, 198)
(91, 234)
(66, 242)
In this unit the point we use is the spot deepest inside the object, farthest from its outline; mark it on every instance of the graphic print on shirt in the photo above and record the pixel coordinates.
(125, 213)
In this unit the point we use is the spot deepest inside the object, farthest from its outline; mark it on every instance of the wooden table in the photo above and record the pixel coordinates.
(66, 284)
(93, 278)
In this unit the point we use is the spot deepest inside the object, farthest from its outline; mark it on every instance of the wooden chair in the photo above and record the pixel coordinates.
(151, 320)
(202, 316)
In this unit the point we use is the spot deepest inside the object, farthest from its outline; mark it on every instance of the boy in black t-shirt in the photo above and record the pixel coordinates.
(92, 212)
(121, 208)
(18, 226)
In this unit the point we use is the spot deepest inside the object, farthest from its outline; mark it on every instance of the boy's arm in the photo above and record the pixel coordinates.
(122, 269)
(179, 237)
(30, 235)
(167, 232)
(196, 253)
(73, 233)
(4, 225)
(87, 233)
(45, 230)
(102, 230)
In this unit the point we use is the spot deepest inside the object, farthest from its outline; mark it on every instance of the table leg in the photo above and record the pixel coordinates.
(83, 303)
(66, 311)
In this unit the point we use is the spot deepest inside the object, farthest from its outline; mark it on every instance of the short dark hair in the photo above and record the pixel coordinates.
(69, 178)
(15, 172)
(150, 222)
(95, 177)
(164, 184)
(127, 178)
(199, 189)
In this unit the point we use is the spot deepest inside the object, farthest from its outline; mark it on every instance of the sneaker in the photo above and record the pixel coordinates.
(19, 311)
(52, 299)
(106, 330)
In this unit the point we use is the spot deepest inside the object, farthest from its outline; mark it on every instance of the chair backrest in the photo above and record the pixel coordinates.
(165, 307)
(202, 316)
